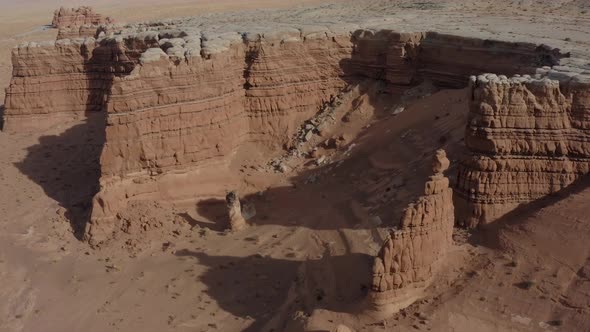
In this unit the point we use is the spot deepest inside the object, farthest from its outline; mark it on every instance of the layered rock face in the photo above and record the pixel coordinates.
(54, 81)
(288, 76)
(449, 60)
(179, 99)
(528, 137)
(321, 61)
(188, 106)
(71, 17)
(408, 259)
(78, 22)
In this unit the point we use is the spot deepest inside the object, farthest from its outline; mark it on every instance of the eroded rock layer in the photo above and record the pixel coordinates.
(528, 138)
(408, 259)
(78, 22)
(449, 60)
(52, 81)
(179, 99)
(75, 17)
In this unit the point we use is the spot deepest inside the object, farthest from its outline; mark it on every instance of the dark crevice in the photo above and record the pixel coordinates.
(2, 108)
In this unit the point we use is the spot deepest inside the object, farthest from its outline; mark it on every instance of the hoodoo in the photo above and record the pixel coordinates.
(236, 221)
(409, 259)
(79, 22)
(71, 17)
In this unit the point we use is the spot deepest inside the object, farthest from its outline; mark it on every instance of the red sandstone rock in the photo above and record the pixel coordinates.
(76, 17)
(528, 138)
(408, 259)
(179, 100)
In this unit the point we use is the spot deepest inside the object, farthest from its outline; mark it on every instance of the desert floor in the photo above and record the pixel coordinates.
(313, 223)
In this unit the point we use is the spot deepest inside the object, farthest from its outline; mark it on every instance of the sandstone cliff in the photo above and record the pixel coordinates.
(527, 137)
(180, 99)
(408, 259)
(322, 60)
(78, 22)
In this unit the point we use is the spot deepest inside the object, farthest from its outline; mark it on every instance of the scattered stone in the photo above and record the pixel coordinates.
(321, 128)
(375, 221)
(422, 316)
(167, 246)
(248, 210)
(398, 110)
(283, 168)
(331, 143)
(112, 267)
(526, 285)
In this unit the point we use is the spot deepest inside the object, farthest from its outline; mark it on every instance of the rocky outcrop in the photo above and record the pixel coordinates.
(78, 22)
(54, 81)
(409, 258)
(179, 100)
(236, 221)
(75, 17)
(449, 60)
(528, 137)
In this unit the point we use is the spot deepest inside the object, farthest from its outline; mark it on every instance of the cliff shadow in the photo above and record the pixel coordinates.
(333, 196)
(212, 214)
(2, 108)
(67, 167)
(268, 290)
(364, 183)
(489, 235)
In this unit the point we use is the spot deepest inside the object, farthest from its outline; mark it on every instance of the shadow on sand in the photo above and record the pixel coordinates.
(67, 167)
(268, 290)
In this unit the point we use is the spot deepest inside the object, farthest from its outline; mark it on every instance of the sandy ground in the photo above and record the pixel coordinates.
(180, 271)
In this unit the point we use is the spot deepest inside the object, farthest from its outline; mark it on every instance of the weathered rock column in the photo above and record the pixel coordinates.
(408, 259)
(234, 211)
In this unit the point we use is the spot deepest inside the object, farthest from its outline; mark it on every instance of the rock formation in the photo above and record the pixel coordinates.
(73, 17)
(528, 137)
(178, 99)
(78, 22)
(448, 60)
(234, 212)
(53, 81)
(408, 259)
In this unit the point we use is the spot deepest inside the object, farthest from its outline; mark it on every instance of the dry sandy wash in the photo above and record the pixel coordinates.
(275, 165)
